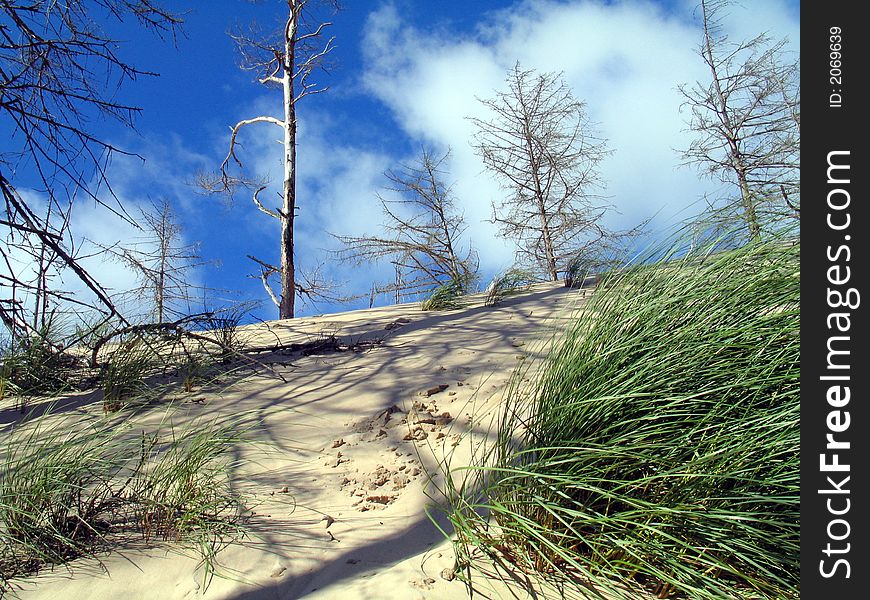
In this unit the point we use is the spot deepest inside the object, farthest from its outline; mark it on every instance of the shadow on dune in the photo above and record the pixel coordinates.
(319, 389)
(413, 540)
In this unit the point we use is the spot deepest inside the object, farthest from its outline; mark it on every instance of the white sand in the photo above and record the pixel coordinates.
(379, 543)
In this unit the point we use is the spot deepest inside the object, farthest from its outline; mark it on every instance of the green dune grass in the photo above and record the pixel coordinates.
(658, 448)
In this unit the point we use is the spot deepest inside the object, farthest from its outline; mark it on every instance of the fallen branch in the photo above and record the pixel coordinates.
(177, 328)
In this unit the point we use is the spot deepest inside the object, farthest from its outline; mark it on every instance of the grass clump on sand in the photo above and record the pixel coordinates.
(33, 366)
(659, 447)
(447, 296)
(68, 488)
(512, 281)
(123, 376)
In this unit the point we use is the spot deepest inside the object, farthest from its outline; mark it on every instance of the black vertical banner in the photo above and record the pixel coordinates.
(835, 368)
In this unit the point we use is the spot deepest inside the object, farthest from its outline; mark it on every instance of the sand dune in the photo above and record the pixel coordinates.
(350, 437)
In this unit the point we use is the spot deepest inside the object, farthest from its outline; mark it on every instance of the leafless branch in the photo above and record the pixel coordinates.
(59, 72)
(746, 120)
(422, 233)
(542, 147)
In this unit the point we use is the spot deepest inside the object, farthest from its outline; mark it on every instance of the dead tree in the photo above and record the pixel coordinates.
(286, 64)
(746, 120)
(29, 269)
(422, 233)
(59, 72)
(540, 145)
(162, 263)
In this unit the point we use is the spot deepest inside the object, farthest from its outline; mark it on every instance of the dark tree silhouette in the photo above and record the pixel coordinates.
(59, 72)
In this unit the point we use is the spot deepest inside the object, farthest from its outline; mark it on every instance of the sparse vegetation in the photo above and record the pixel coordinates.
(660, 445)
(123, 377)
(33, 365)
(68, 487)
(447, 296)
(512, 281)
(223, 327)
(194, 370)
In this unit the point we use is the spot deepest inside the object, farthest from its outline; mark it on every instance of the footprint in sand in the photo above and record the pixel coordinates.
(277, 571)
(425, 584)
(193, 591)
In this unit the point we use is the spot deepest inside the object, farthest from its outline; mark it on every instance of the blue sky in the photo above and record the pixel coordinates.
(406, 74)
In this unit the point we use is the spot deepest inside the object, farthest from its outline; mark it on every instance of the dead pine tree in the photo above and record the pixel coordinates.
(421, 235)
(285, 62)
(162, 262)
(746, 121)
(541, 146)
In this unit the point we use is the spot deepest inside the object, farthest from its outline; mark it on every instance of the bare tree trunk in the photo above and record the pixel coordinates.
(286, 64)
(546, 235)
(733, 143)
(749, 212)
(286, 310)
(548, 240)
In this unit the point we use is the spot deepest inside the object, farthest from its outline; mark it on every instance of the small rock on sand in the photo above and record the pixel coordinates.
(380, 499)
(277, 571)
(435, 390)
(443, 419)
(417, 434)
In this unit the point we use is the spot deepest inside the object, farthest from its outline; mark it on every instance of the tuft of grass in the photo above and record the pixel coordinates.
(448, 296)
(586, 269)
(195, 370)
(8, 388)
(659, 447)
(123, 377)
(223, 326)
(68, 488)
(33, 366)
(512, 281)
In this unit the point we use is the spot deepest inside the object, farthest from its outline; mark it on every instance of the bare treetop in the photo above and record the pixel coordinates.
(746, 118)
(162, 262)
(542, 147)
(421, 235)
